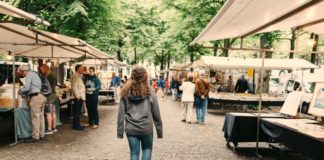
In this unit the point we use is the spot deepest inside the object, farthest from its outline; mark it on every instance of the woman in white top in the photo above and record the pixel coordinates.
(187, 100)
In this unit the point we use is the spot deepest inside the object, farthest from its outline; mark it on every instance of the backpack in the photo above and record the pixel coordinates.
(46, 88)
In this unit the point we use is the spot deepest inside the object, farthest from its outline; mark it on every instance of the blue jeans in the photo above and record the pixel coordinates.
(135, 142)
(201, 106)
(92, 107)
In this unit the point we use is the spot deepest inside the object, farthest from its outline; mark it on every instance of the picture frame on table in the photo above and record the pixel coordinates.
(316, 106)
(291, 104)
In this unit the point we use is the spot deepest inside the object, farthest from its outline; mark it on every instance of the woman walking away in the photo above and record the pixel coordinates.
(93, 86)
(187, 98)
(139, 109)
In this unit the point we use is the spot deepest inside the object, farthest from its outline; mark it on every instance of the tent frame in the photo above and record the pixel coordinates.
(14, 68)
(283, 17)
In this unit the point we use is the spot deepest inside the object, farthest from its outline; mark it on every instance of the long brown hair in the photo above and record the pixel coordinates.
(137, 85)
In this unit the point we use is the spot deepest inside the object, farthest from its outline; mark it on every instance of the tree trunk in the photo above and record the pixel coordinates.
(292, 43)
(227, 45)
(162, 62)
(119, 55)
(266, 75)
(120, 46)
(135, 56)
(314, 55)
(168, 65)
(215, 48)
(191, 51)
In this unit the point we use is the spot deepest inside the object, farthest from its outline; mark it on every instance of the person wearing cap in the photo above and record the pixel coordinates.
(78, 96)
(32, 88)
(202, 87)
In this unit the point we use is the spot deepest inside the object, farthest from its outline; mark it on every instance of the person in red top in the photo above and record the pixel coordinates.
(154, 85)
(166, 87)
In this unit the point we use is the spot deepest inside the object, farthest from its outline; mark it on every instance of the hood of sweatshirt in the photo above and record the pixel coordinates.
(136, 99)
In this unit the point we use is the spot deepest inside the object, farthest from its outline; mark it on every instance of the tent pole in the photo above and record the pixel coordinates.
(33, 63)
(52, 51)
(14, 94)
(302, 82)
(260, 105)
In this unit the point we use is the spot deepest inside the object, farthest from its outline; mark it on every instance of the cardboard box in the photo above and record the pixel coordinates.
(7, 102)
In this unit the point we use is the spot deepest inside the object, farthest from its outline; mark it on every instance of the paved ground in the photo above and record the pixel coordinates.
(181, 141)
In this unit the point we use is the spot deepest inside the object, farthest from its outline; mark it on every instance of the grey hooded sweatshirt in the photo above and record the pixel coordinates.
(137, 114)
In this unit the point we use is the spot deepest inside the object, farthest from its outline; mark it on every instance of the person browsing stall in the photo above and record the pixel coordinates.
(201, 95)
(78, 95)
(230, 84)
(115, 83)
(187, 99)
(50, 107)
(32, 89)
(242, 85)
(93, 85)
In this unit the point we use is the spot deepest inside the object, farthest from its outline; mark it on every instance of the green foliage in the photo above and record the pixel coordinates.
(194, 17)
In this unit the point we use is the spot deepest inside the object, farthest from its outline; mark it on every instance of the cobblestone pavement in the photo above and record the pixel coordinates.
(181, 140)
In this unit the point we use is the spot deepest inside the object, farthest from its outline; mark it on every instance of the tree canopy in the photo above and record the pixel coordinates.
(158, 32)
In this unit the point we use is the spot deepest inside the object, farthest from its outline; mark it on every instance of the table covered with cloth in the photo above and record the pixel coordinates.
(242, 127)
(24, 124)
(245, 99)
(302, 135)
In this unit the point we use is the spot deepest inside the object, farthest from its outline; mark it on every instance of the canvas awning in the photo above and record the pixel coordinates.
(10, 10)
(92, 62)
(184, 66)
(181, 66)
(255, 63)
(116, 62)
(239, 18)
(41, 44)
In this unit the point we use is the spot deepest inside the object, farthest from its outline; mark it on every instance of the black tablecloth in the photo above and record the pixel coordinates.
(242, 127)
(305, 144)
(7, 127)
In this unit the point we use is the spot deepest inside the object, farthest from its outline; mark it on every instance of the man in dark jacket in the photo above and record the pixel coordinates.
(242, 85)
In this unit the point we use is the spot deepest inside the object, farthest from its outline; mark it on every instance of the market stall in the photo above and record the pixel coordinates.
(245, 99)
(238, 18)
(35, 44)
(249, 63)
(9, 10)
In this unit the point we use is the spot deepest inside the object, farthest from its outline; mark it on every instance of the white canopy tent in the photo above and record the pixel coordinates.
(41, 44)
(10, 10)
(239, 18)
(116, 62)
(181, 66)
(92, 62)
(255, 63)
